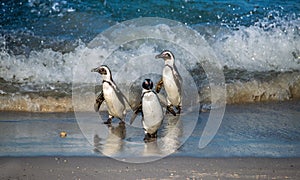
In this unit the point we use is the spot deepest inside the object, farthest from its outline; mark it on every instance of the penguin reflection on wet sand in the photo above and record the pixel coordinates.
(113, 142)
(171, 80)
(111, 94)
(151, 110)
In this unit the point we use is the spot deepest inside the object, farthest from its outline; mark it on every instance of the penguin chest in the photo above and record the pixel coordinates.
(152, 112)
(171, 87)
(113, 99)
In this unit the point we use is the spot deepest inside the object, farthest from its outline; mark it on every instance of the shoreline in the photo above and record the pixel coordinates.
(282, 87)
(166, 168)
(38, 104)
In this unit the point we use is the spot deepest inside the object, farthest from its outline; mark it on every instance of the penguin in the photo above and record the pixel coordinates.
(111, 94)
(152, 112)
(172, 81)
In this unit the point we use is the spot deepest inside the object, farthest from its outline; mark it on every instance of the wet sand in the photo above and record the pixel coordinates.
(167, 168)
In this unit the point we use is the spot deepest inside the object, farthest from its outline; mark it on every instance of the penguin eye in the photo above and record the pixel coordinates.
(103, 71)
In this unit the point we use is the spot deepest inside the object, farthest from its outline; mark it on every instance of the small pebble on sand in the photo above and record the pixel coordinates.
(63, 134)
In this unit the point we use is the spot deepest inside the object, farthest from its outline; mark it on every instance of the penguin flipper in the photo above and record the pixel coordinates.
(138, 110)
(99, 101)
(159, 85)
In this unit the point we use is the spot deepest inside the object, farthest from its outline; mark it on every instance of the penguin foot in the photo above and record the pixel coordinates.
(107, 122)
(171, 110)
(150, 137)
(148, 140)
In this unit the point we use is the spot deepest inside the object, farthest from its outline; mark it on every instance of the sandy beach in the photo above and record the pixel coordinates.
(167, 168)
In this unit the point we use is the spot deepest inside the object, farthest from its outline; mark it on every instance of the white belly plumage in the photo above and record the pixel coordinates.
(113, 101)
(170, 86)
(152, 112)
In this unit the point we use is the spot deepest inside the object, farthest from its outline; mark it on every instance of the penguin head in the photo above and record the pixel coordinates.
(147, 84)
(104, 71)
(166, 55)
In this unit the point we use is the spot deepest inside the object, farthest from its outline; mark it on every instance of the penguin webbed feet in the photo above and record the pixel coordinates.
(108, 122)
(150, 137)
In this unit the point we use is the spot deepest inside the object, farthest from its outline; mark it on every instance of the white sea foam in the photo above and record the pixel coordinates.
(261, 47)
(251, 48)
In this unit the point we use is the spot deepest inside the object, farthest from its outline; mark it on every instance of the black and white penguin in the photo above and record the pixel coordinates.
(151, 110)
(172, 81)
(114, 98)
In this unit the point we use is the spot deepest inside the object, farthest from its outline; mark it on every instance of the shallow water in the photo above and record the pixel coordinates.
(254, 130)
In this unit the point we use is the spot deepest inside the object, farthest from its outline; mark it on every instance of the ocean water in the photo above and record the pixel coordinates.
(257, 44)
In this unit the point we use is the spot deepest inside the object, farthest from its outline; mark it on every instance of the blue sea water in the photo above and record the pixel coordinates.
(74, 19)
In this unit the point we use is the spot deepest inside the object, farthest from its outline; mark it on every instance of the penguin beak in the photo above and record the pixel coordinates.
(159, 56)
(95, 70)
